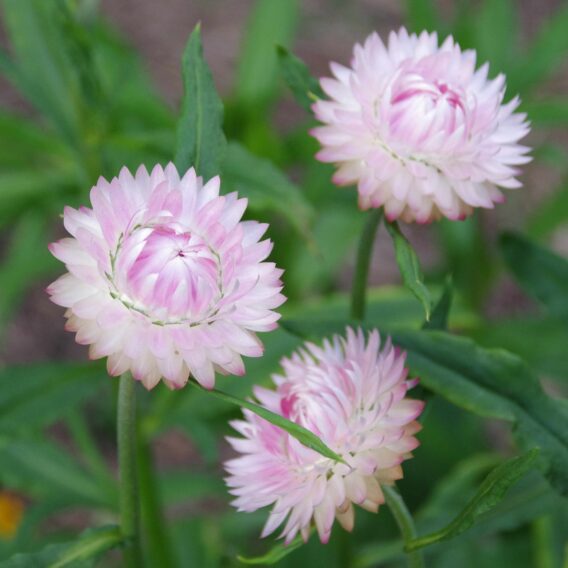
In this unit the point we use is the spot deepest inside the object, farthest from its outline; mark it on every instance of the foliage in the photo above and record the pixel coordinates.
(92, 109)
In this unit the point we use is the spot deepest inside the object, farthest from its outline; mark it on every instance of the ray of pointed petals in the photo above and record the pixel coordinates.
(419, 129)
(165, 279)
(350, 393)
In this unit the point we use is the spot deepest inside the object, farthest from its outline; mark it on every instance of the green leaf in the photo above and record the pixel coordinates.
(80, 553)
(304, 87)
(542, 273)
(275, 554)
(409, 267)
(34, 396)
(201, 142)
(272, 22)
(43, 469)
(453, 490)
(489, 494)
(488, 382)
(493, 383)
(540, 341)
(266, 187)
(530, 498)
(441, 312)
(309, 439)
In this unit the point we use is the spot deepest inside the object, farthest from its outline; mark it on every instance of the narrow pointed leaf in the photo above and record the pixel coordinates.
(493, 383)
(201, 141)
(491, 491)
(274, 555)
(441, 311)
(309, 439)
(409, 267)
(304, 87)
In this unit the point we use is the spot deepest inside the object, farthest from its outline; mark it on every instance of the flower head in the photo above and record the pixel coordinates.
(351, 394)
(165, 279)
(419, 129)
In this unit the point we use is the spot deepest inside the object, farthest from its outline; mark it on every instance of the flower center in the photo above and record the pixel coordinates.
(421, 108)
(169, 274)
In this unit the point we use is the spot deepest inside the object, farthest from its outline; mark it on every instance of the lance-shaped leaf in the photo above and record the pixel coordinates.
(409, 267)
(441, 311)
(490, 493)
(539, 271)
(304, 87)
(488, 382)
(493, 383)
(80, 553)
(274, 555)
(201, 142)
(309, 439)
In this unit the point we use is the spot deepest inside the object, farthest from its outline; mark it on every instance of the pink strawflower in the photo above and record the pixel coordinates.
(352, 395)
(165, 279)
(419, 130)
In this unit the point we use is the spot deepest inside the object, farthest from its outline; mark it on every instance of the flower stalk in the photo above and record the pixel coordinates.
(128, 477)
(364, 253)
(405, 524)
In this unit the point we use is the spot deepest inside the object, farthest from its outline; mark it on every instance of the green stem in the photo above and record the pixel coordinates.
(359, 289)
(128, 495)
(405, 523)
(159, 551)
(542, 542)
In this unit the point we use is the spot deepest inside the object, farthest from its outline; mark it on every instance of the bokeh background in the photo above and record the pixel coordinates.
(104, 89)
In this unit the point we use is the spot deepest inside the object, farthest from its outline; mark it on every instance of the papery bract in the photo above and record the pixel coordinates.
(419, 130)
(352, 395)
(165, 279)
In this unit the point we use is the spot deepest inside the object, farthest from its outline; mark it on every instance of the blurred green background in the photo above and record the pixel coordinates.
(87, 87)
